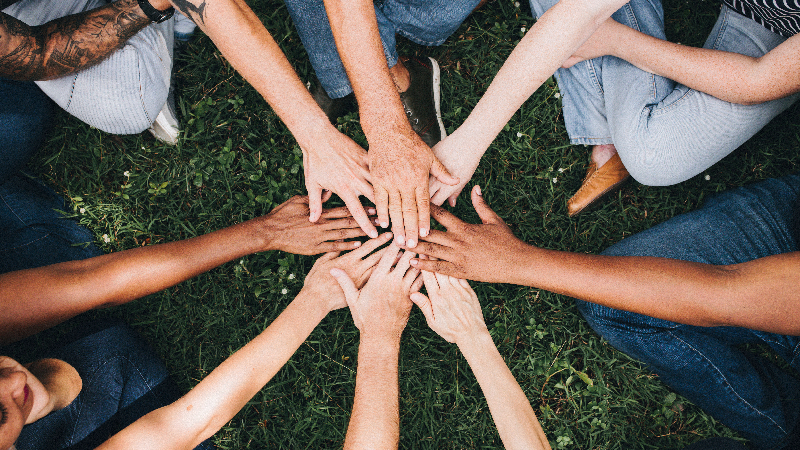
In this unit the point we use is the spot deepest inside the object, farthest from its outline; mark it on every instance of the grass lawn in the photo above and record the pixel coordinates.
(236, 161)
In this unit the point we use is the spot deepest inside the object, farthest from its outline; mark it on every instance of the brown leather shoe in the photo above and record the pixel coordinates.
(598, 182)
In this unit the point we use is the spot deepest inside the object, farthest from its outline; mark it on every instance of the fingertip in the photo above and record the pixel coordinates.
(371, 211)
(477, 190)
(356, 244)
(415, 262)
(424, 232)
(452, 202)
(411, 243)
(373, 234)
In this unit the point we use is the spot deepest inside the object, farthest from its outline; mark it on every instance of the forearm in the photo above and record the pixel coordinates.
(217, 398)
(69, 44)
(759, 294)
(37, 299)
(554, 38)
(513, 415)
(728, 76)
(375, 420)
(355, 29)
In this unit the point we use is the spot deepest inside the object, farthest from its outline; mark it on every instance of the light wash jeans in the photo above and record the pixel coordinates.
(125, 92)
(426, 22)
(746, 392)
(665, 133)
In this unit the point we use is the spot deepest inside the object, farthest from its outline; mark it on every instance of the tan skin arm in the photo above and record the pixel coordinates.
(759, 294)
(728, 76)
(216, 399)
(36, 299)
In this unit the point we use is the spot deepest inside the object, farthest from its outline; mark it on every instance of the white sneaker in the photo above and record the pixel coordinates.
(165, 128)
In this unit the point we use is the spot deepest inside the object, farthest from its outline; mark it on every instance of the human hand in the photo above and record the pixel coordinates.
(453, 154)
(357, 265)
(380, 309)
(451, 307)
(599, 44)
(287, 228)
(486, 252)
(400, 164)
(336, 164)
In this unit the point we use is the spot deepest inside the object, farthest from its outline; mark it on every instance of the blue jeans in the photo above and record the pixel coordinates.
(664, 132)
(745, 392)
(426, 22)
(122, 381)
(34, 233)
(26, 116)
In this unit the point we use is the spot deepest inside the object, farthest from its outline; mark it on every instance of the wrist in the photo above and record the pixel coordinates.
(379, 345)
(314, 302)
(475, 343)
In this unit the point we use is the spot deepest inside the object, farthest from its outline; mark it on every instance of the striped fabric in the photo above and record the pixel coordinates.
(779, 16)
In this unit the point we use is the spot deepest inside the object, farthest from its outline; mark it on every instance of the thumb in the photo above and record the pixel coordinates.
(347, 285)
(484, 212)
(424, 304)
(314, 203)
(441, 173)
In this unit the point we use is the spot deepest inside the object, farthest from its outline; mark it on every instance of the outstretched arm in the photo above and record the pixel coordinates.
(36, 299)
(728, 76)
(758, 294)
(66, 45)
(551, 40)
(380, 311)
(215, 400)
(452, 311)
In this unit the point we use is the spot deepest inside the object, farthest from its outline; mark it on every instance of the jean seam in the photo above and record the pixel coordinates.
(728, 385)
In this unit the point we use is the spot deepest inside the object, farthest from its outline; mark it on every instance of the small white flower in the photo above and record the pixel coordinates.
(516, 4)
(519, 135)
(291, 276)
(561, 169)
(708, 177)
(284, 291)
(106, 239)
(523, 29)
(555, 180)
(82, 210)
(557, 95)
(241, 262)
(127, 173)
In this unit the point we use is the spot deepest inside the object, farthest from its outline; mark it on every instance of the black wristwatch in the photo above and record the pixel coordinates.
(154, 14)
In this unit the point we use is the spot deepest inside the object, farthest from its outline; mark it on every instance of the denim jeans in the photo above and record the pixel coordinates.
(122, 381)
(664, 132)
(426, 22)
(706, 364)
(26, 116)
(124, 93)
(34, 232)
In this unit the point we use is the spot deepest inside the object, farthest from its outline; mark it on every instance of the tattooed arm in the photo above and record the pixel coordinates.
(68, 44)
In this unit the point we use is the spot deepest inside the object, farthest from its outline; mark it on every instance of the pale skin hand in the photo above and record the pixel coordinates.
(454, 153)
(483, 252)
(453, 312)
(340, 166)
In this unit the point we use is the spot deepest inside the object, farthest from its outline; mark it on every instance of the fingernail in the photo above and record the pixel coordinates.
(384, 224)
(356, 244)
(423, 232)
(414, 262)
(371, 211)
(400, 240)
(478, 191)
(411, 243)
(373, 234)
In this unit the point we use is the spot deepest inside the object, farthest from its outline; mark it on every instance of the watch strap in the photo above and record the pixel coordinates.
(154, 14)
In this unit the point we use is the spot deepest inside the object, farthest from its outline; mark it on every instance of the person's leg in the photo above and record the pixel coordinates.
(34, 233)
(666, 133)
(26, 115)
(747, 393)
(124, 93)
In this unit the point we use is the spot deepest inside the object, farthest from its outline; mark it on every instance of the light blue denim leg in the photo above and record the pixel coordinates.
(747, 393)
(581, 86)
(424, 22)
(125, 92)
(669, 141)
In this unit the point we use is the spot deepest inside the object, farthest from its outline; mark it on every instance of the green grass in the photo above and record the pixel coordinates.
(237, 161)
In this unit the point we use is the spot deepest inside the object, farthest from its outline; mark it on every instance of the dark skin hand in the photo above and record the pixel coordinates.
(69, 44)
(475, 252)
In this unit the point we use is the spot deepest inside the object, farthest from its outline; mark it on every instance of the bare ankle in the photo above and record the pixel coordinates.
(602, 153)
(400, 76)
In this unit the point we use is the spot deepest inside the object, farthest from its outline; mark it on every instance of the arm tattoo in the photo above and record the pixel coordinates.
(195, 12)
(68, 44)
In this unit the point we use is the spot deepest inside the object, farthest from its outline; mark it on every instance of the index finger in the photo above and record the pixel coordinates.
(445, 217)
(357, 210)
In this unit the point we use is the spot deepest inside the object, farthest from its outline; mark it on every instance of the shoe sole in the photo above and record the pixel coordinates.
(597, 199)
(437, 95)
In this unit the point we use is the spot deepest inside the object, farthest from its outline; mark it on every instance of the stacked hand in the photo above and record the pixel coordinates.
(451, 307)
